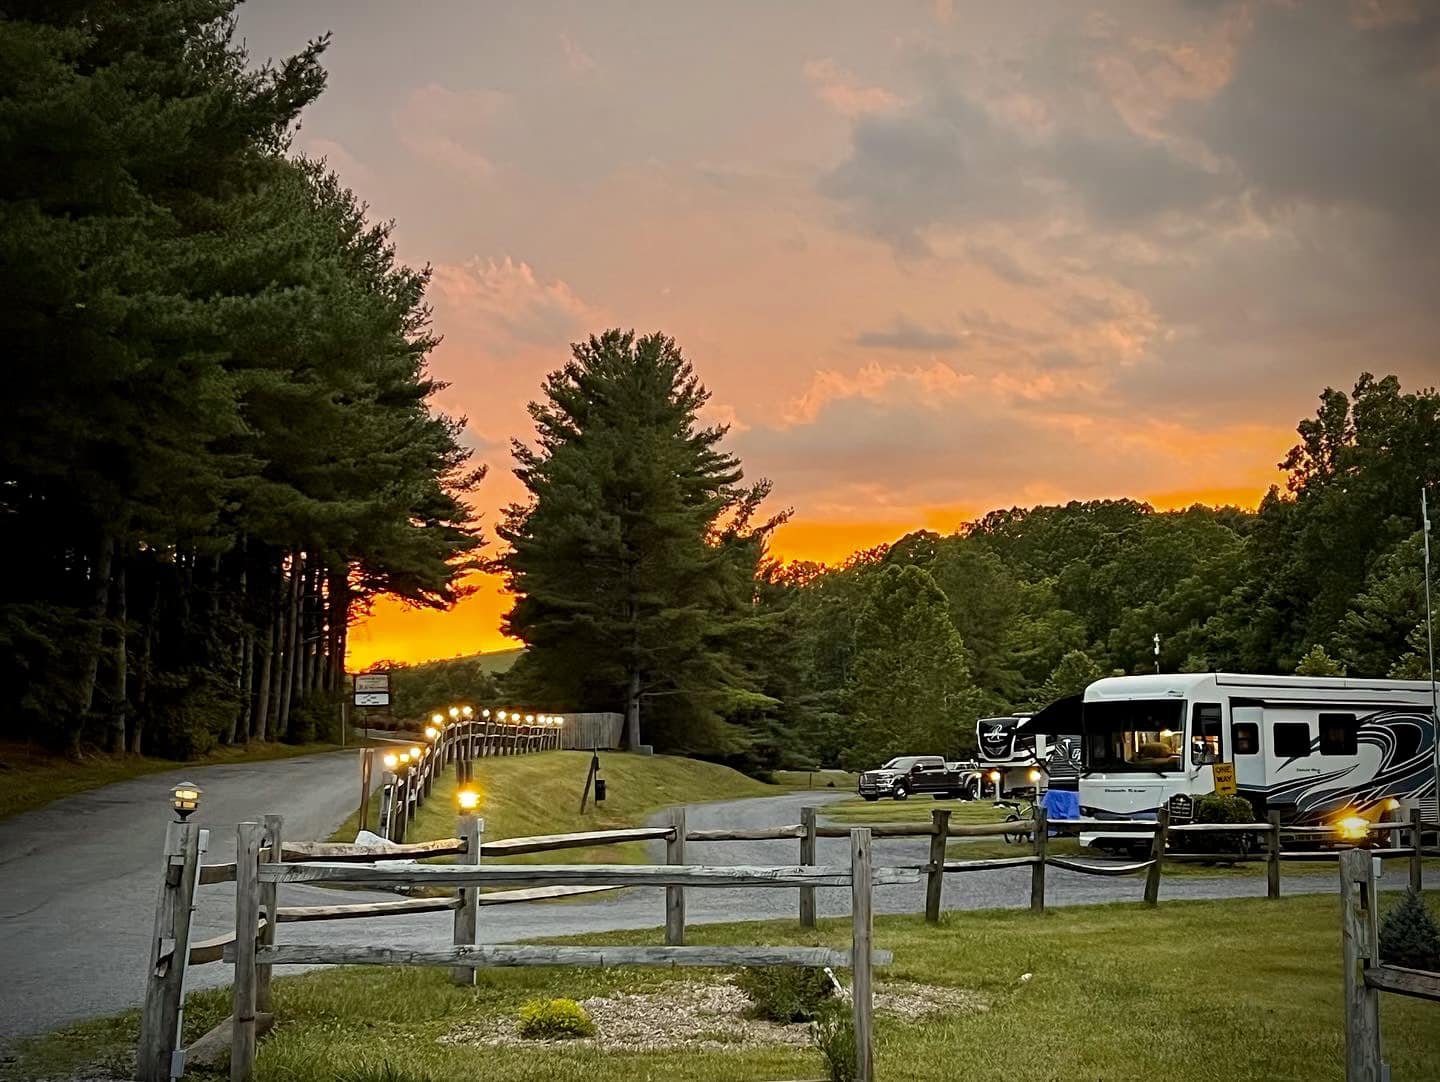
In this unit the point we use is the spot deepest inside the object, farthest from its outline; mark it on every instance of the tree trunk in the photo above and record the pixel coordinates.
(99, 602)
(119, 659)
(264, 693)
(290, 674)
(142, 674)
(240, 720)
(339, 606)
(632, 712)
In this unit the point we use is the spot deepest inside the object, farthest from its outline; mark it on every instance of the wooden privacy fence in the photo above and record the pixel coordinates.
(1365, 975)
(1034, 854)
(264, 861)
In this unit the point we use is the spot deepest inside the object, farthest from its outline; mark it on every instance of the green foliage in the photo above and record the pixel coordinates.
(833, 1033)
(1218, 808)
(1408, 935)
(418, 690)
(910, 689)
(633, 560)
(218, 437)
(1076, 671)
(554, 1019)
(785, 993)
(1319, 663)
(385, 1071)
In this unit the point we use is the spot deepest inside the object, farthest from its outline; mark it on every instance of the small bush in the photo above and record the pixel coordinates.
(785, 994)
(833, 1033)
(1408, 936)
(555, 1019)
(1214, 808)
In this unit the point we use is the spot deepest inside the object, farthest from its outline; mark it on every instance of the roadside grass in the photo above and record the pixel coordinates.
(523, 795)
(916, 809)
(1189, 992)
(820, 780)
(31, 777)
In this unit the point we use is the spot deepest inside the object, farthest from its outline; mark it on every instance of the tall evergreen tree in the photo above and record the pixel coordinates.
(633, 561)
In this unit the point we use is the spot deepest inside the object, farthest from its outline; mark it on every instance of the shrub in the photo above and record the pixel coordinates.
(786, 994)
(833, 1033)
(1214, 808)
(555, 1019)
(1408, 936)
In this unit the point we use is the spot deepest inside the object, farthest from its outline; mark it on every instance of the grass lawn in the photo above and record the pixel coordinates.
(859, 812)
(824, 780)
(31, 777)
(540, 794)
(1191, 991)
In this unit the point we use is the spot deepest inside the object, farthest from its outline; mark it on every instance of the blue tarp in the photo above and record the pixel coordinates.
(1062, 804)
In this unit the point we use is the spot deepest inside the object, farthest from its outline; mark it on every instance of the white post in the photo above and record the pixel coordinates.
(467, 917)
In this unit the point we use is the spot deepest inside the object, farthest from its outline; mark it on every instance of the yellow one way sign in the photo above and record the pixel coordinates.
(1225, 779)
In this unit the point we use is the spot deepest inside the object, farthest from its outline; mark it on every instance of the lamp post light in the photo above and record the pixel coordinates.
(468, 800)
(454, 713)
(467, 712)
(485, 713)
(437, 718)
(431, 732)
(184, 798)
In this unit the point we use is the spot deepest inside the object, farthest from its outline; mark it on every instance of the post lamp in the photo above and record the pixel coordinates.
(454, 713)
(415, 753)
(391, 761)
(185, 798)
(468, 800)
(467, 712)
(529, 719)
(437, 718)
(500, 716)
(431, 732)
(485, 713)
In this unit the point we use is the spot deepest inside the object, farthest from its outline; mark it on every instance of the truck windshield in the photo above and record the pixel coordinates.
(1134, 735)
(903, 763)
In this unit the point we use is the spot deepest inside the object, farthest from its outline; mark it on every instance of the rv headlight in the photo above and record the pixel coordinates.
(1354, 827)
(994, 775)
(1034, 775)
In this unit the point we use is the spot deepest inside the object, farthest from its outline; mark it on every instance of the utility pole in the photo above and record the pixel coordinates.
(1430, 640)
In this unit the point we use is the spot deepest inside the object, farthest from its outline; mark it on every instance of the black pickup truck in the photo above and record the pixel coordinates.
(931, 774)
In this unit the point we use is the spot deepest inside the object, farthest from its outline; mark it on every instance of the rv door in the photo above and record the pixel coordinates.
(1246, 734)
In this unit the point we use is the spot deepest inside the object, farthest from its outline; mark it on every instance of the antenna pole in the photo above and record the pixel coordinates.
(1430, 640)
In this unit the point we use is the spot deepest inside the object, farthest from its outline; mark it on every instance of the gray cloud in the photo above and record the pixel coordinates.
(906, 334)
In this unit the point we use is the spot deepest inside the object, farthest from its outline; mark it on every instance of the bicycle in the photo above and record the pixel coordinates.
(1021, 811)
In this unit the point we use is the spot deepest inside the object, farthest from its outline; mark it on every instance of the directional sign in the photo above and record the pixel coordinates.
(1225, 779)
(372, 689)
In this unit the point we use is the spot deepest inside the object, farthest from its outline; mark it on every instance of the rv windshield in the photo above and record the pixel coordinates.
(1134, 735)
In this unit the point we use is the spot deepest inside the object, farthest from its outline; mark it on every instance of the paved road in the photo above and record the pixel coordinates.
(78, 878)
(75, 922)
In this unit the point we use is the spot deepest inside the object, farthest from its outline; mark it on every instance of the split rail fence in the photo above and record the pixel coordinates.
(1033, 851)
(264, 861)
(1365, 975)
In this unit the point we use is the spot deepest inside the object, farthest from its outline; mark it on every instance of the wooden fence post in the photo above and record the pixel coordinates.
(862, 990)
(1272, 857)
(248, 837)
(367, 771)
(1037, 870)
(269, 901)
(1417, 853)
(935, 876)
(1157, 854)
(1361, 945)
(169, 955)
(807, 858)
(467, 918)
(675, 896)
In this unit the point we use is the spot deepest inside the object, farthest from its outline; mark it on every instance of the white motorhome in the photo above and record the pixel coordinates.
(1316, 749)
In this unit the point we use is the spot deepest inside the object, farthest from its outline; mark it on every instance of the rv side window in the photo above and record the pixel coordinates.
(1291, 739)
(1205, 734)
(1245, 738)
(1338, 734)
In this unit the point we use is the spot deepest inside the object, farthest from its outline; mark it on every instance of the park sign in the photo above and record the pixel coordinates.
(372, 689)
(1225, 779)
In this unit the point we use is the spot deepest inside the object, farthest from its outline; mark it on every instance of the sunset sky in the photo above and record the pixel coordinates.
(929, 258)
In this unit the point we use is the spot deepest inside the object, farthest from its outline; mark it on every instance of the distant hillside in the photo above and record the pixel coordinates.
(417, 690)
(495, 662)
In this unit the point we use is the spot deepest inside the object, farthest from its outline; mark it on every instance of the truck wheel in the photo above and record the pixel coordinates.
(868, 798)
(901, 793)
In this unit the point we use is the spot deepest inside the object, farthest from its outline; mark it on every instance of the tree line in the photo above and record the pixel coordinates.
(643, 583)
(218, 442)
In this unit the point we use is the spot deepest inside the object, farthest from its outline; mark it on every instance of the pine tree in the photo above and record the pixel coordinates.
(633, 561)
(1319, 663)
(1408, 936)
(1076, 671)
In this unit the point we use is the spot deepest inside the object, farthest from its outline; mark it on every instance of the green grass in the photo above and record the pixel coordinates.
(820, 780)
(1187, 992)
(916, 809)
(30, 778)
(540, 794)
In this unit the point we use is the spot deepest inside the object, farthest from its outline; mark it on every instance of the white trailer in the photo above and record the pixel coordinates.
(1018, 755)
(1317, 749)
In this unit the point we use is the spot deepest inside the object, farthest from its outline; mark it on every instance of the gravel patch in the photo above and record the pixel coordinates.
(692, 1015)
